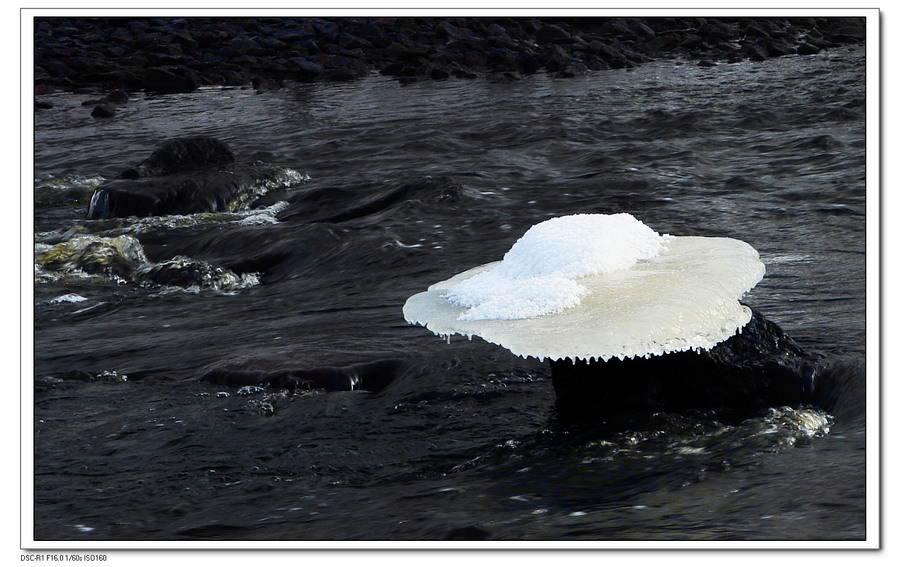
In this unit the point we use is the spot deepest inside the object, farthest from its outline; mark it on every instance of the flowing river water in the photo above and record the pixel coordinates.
(410, 184)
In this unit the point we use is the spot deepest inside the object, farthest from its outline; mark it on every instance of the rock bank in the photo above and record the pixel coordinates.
(169, 55)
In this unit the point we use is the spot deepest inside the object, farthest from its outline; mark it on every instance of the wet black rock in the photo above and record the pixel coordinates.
(170, 80)
(106, 106)
(188, 273)
(756, 52)
(613, 58)
(123, 259)
(807, 49)
(263, 85)
(186, 176)
(369, 376)
(550, 33)
(103, 111)
(780, 47)
(117, 96)
(439, 73)
(714, 31)
(116, 256)
(182, 154)
(574, 69)
(557, 58)
(181, 193)
(758, 368)
(336, 75)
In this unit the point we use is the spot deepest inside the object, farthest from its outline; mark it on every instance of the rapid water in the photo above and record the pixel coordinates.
(409, 186)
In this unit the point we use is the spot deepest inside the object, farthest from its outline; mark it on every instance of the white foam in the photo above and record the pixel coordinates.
(68, 298)
(537, 276)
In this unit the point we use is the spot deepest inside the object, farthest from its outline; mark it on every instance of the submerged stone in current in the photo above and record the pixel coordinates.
(182, 154)
(197, 192)
(188, 176)
(114, 256)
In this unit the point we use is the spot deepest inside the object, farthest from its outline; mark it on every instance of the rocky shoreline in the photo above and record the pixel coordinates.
(170, 55)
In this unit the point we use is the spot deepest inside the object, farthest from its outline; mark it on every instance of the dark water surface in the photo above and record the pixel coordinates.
(410, 185)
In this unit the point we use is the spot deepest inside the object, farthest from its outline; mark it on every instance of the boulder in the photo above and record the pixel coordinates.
(439, 73)
(113, 256)
(185, 176)
(370, 376)
(168, 81)
(575, 69)
(182, 154)
(103, 111)
(117, 96)
(807, 49)
(613, 57)
(336, 75)
(557, 59)
(184, 193)
(549, 33)
(185, 272)
(760, 367)
(123, 258)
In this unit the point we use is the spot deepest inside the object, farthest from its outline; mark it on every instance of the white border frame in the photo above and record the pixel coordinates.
(873, 288)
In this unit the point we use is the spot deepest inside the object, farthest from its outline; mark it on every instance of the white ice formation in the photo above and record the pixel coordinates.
(538, 275)
(597, 287)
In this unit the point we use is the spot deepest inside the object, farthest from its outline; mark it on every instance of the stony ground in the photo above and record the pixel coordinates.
(182, 54)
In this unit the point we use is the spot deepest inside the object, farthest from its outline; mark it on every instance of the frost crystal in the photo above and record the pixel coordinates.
(537, 276)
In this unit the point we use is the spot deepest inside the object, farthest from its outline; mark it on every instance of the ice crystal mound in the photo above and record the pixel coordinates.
(538, 275)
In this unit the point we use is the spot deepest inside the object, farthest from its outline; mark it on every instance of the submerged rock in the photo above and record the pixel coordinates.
(116, 96)
(807, 49)
(123, 258)
(182, 194)
(113, 256)
(370, 376)
(759, 367)
(103, 111)
(185, 272)
(182, 154)
(170, 80)
(107, 106)
(187, 176)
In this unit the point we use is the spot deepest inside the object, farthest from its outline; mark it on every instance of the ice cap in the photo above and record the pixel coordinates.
(597, 287)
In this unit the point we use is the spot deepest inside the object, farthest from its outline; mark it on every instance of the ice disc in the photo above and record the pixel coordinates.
(685, 297)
